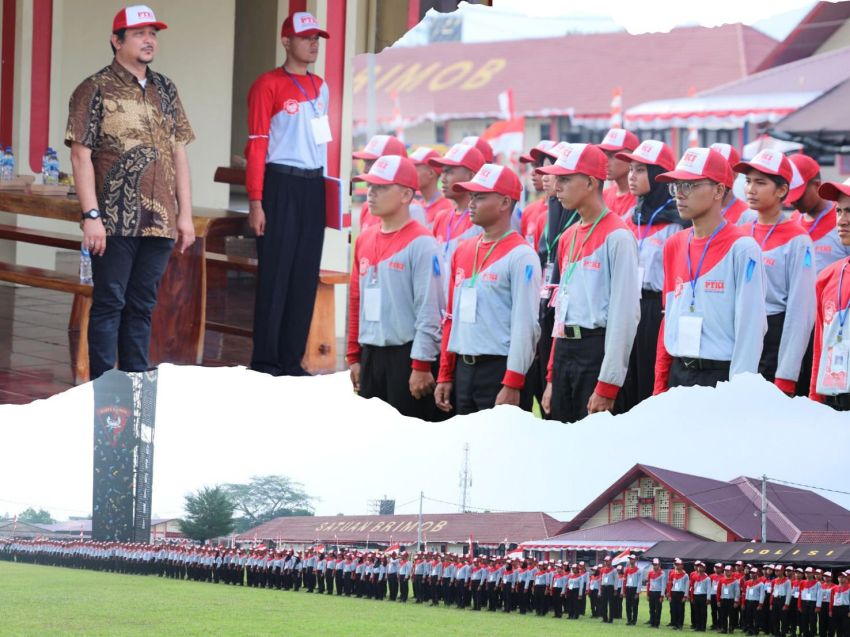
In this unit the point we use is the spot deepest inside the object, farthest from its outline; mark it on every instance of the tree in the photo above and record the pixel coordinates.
(209, 514)
(267, 497)
(35, 517)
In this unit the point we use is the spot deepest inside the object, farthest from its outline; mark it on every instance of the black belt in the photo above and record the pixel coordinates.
(840, 402)
(576, 332)
(650, 294)
(704, 364)
(469, 359)
(283, 169)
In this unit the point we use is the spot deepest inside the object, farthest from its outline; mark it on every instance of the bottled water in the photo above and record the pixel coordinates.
(7, 169)
(52, 167)
(85, 265)
(45, 167)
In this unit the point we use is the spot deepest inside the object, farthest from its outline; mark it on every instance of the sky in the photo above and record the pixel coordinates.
(219, 425)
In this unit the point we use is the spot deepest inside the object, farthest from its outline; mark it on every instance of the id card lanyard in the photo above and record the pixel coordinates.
(769, 232)
(303, 92)
(642, 236)
(568, 272)
(842, 312)
(819, 217)
(450, 228)
(475, 267)
(694, 276)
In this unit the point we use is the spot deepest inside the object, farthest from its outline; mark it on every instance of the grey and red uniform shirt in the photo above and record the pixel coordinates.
(830, 365)
(824, 233)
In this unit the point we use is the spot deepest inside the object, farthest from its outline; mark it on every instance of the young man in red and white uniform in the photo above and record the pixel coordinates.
(789, 264)
(432, 199)
(839, 605)
(395, 297)
(830, 364)
(617, 196)
(535, 214)
(597, 305)
(714, 320)
(652, 220)
(733, 208)
(288, 133)
(491, 330)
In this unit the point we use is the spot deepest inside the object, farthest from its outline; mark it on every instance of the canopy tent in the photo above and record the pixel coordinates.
(768, 553)
(822, 123)
(638, 534)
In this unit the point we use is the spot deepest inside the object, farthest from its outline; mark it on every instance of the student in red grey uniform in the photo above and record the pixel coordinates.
(789, 264)
(535, 214)
(714, 321)
(597, 306)
(733, 208)
(432, 199)
(491, 330)
(830, 365)
(653, 220)
(396, 298)
(288, 132)
(839, 605)
(618, 197)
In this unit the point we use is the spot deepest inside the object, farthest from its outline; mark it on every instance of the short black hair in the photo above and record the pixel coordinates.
(120, 33)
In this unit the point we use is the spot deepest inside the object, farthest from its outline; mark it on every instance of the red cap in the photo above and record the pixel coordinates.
(303, 25)
(728, 151)
(579, 159)
(769, 162)
(391, 169)
(619, 139)
(832, 190)
(803, 170)
(700, 163)
(136, 17)
(493, 178)
(542, 145)
(460, 155)
(482, 145)
(381, 145)
(651, 152)
(552, 153)
(421, 155)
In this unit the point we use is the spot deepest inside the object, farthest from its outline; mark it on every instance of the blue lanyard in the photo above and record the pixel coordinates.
(769, 232)
(842, 313)
(728, 205)
(642, 237)
(695, 276)
(450, 227)
(301, 88)
(819, 217)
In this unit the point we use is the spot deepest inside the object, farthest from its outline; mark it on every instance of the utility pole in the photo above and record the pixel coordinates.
(465, 480)
(764, 508)
(419, 526)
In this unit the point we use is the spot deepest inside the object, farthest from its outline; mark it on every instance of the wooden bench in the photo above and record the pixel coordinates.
(320, 353)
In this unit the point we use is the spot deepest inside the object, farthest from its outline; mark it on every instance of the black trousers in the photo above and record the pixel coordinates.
(726, 612)
(594, 603)
(606, 603)
(750, 616)
(677, 609)
(840, 626)
(778, 618)
(632, 599)
(699, 612)
(770, 351)
(403, 587)
(535, 378)
(288, 258)
(823, 620)
(392, 581)
(640, 379)
(384, 374)
(125, 285)
(329, 581)
(477, 385)
(808, 619)
(715, 615)
(557, 602)
(654, 608)
(575, 372)
(684, 376)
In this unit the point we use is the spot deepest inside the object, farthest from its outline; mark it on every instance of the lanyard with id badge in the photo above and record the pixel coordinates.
(549, 270)
(836, 378)
(690, 324)
(468, 293)
(372, 293)
(642, 239)
(320, 125)
(450, 228)
(562, 302)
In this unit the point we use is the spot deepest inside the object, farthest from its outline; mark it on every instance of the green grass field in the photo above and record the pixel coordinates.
(43, 600)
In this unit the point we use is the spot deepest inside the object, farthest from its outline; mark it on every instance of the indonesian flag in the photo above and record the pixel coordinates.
(320, 548)
(622, 558)
(516, 554)
(397, 122)
(470, 544)
(693, 131)
(506, 138)
(393, 547)
(15, 523)
(617, 108)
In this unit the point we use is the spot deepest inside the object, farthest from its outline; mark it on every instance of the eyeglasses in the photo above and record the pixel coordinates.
(685, 188)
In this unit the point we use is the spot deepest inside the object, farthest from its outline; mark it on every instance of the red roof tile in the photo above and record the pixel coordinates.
(820, 23)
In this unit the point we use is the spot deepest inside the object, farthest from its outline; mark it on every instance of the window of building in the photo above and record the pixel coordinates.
(631, 503)
(616, 512)
(646, 510)
(677, 518)
(662, 505)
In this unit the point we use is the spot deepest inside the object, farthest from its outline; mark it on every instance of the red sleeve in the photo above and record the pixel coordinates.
(260, 107)
(448, 360)
(818, 340)
(663, 360)
(353, 351)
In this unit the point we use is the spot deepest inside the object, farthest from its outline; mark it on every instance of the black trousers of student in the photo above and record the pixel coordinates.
(288, 258)
(677, 609)
(125, 284)
(575, 372)
(338, 581)
(493, 596)
(632, 599)
(654, 608)
(715, 615)
(808, 619)
(823, 620)
(618, 603)
(750, 622)
(699, 612)
(557, 603)
(594, 603)
(688, 372)
(403, 587)
(540, 599)
(535, 378)
(476, 601)
(840, 626)
(574, 603)
(392, 582)
(384, 374)
(778, 618)
(329, 581)
(478, 380)
(507, 600)
(727, 607)
(640, 379)
(606, 610)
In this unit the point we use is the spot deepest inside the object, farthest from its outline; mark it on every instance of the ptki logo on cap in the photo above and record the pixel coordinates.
(303, 21)
(377, 144)
(769, 159)
(386, 167)
(458, 152)
(693, 161)
(488, 175)
(615, 137)
(421, 154)
(570, 156)
(649, 150)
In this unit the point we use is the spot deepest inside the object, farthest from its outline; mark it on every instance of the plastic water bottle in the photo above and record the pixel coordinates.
(85, 265)
(45, 167)
(52, 167)
(7, 169)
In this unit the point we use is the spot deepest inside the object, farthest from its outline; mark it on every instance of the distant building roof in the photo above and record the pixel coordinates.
(822, 121)
(820, 23)
(635, 533)
(454, 528)
(571, 75)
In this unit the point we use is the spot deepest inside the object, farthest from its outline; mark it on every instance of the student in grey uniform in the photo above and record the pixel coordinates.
(330, 570)
(447, 583)
(507, 581)
(392, 576)
(557, 591)
(464, 570)
(700, 590)
(405, 568)
(656, 586)
(319, 572)
(476, 579)
(729, 595)
(631, 590)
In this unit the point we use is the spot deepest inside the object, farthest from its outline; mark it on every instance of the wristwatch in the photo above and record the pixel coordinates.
(94, 213)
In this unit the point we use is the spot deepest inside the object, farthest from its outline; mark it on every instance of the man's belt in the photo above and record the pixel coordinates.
(576, 332)
(704, 364)
(469, 359)
(283, 169)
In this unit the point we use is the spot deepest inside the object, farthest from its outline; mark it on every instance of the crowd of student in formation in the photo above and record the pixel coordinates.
(593, 299)
(774, 599)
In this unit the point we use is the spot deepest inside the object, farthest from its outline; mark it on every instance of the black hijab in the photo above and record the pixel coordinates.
(658, 196)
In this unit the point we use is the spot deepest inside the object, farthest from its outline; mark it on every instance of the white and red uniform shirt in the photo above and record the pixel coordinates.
(734, 210)
(829, 378)
(435, 207)
(651, 240)
(533, 221)
(505, 309)
(451, 227)
(279, 128)
(824, 233)
(618, 204)
(728, 296)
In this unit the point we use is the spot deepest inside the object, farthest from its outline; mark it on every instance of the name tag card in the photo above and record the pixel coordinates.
(372, 304)
(321, 129)
(468, 303)
(690, 335)
(836, 377)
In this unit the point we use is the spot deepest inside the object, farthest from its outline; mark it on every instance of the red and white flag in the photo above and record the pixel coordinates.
(507, 136)
(617, 108)
(397, 121)
(392, 548)
(693, 131)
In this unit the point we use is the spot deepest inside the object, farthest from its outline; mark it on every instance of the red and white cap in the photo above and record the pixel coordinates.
(579, 159)
(728, 151)
(809, 569)
(391, 169)
(619, 139)
(769, 162)
(421, 155)
(381, 145)
(493, 178)
(542, 145)
(803, 170)
(700, 163)
(460, 155)
(727, 568)
(482, 145)
(677, 561)
(718, 565)
(302, 25)
(656, 561)
(832, 190)
(651, 152)
(552, 153)
(136, 17)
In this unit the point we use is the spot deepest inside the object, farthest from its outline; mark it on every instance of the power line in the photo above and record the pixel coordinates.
(808, 486)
